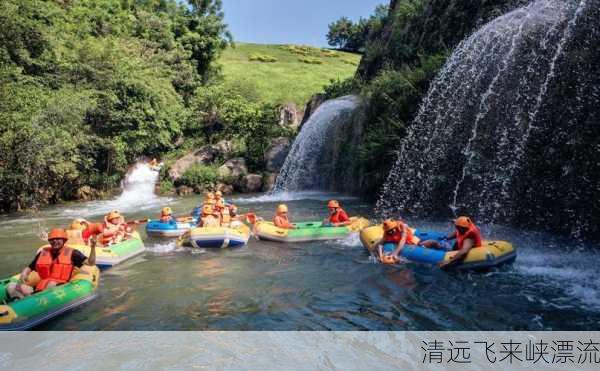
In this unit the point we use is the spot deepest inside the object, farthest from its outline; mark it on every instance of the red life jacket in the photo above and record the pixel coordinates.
(58, 270)
(282, 221)
(339, 216)
(411, 239)
(472, 233)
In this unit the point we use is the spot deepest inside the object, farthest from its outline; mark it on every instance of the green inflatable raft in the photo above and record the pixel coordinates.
(40, 307)
(307, 231)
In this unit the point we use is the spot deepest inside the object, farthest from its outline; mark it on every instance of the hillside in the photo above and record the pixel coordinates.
(285, 73)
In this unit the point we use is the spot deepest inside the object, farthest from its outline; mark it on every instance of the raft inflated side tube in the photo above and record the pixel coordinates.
(42, 306)
(216, 237)
(169, 229)
(308, 231)
(108, 256)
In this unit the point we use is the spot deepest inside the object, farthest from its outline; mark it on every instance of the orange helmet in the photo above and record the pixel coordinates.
(218, 194)
(282, 209)
(166, 211)
(389, 224)
(463, 221)
(333, 204)
(207, 210)
(113, 215)
(78, 224)
(57, 233)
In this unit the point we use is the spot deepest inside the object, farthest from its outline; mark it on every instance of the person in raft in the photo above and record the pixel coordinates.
(113, 230)
(337, 215)
(219, 197)
(166, 215)
(54, 264)
(208, 218)
(281, 219)
(467, 236)
(396, 234)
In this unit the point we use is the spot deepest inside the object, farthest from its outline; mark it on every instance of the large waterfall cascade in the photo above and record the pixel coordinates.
(467, 149)
(311, 162)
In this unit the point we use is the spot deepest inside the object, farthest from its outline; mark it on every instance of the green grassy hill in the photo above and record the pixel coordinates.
(285, 73)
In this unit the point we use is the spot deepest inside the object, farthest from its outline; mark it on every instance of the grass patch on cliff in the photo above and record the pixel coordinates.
(290, 78)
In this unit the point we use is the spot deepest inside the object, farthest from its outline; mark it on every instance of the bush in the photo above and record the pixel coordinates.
(310, 60)
(262, 58)
(339, 88)
(198, 176)
(166, 187)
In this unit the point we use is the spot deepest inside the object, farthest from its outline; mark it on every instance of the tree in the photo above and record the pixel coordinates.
(340, 32)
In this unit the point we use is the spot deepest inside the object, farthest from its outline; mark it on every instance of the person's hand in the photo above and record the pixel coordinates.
(93, 242)
(444, 264)
(22, 278)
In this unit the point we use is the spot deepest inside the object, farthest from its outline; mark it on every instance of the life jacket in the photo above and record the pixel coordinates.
(166, 218)
(209, 221)
(112, 233)
(339, 216)
(281, 221)
(225, 217)
(53, 270)
(472, 233)
(411, 239)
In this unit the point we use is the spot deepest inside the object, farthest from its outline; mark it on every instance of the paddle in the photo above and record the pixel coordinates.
(139, 221)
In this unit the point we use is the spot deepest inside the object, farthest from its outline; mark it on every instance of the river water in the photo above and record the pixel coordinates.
(316, 286)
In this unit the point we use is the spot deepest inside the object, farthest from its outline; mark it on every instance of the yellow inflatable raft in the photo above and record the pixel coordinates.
(307, 231)
(491, 254)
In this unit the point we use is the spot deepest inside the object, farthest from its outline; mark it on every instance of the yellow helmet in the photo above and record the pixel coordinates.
(113, 215)
(282, 209)
(463, 221)
(166, 211)
(207, 210)
(218, 194)
(78, 224)
(210, 196)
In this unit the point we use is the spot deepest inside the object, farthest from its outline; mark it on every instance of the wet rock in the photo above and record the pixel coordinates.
(251, 183)
(184, 190)
(312, 105)
(269, 182)
(226, 189)
(232, 170)
(276, 153)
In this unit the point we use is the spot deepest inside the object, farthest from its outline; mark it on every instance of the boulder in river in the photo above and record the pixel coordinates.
(226, 189)
(232, 170)
(276, 153)
(269, 182)
(251, 183)
(184, 190)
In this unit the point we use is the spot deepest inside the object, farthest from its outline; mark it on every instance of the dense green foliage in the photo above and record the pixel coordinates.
(351, 36)
(285, 78)
(199, 175)
(86, 87)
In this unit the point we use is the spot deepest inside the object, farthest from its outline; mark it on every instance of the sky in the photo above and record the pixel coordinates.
(290, 21)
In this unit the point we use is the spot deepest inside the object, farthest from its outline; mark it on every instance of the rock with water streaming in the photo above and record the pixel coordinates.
(508, 131)
(276, 153)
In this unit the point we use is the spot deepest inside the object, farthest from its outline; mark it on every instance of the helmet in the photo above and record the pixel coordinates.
(210, 196)
(463, 221)
(78, 224)
(389, 224)
(166, 211)
(282, 209)
(57, 233)
(218, 194)
(207, 209)
(333, 204)
(112, 215)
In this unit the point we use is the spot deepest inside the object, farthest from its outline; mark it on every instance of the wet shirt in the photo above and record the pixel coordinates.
(77, 258)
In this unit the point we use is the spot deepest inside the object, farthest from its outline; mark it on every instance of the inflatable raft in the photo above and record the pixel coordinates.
(308, 231)
(216, 237)
(42, 306)
(491, 254)
(108, 256)
(157, 228)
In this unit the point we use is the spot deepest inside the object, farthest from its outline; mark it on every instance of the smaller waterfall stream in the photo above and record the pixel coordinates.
(311, 163)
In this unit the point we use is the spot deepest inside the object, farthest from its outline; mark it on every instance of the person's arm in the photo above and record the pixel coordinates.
(24, 274)
(402, 242)
(91, 260)
(380, 250)
(467, 245)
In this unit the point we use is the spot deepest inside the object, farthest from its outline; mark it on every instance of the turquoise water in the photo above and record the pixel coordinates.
(317, 286)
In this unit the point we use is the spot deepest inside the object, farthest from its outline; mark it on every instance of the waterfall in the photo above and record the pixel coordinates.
(313, 162)
(490, 111)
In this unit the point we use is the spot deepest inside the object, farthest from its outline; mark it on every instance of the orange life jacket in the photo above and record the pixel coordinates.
(225, 217)
(112, 233)
(165, 218)
(281, 221)
(411, 239)
(57, 270)
(339, 216)
(472, 233)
